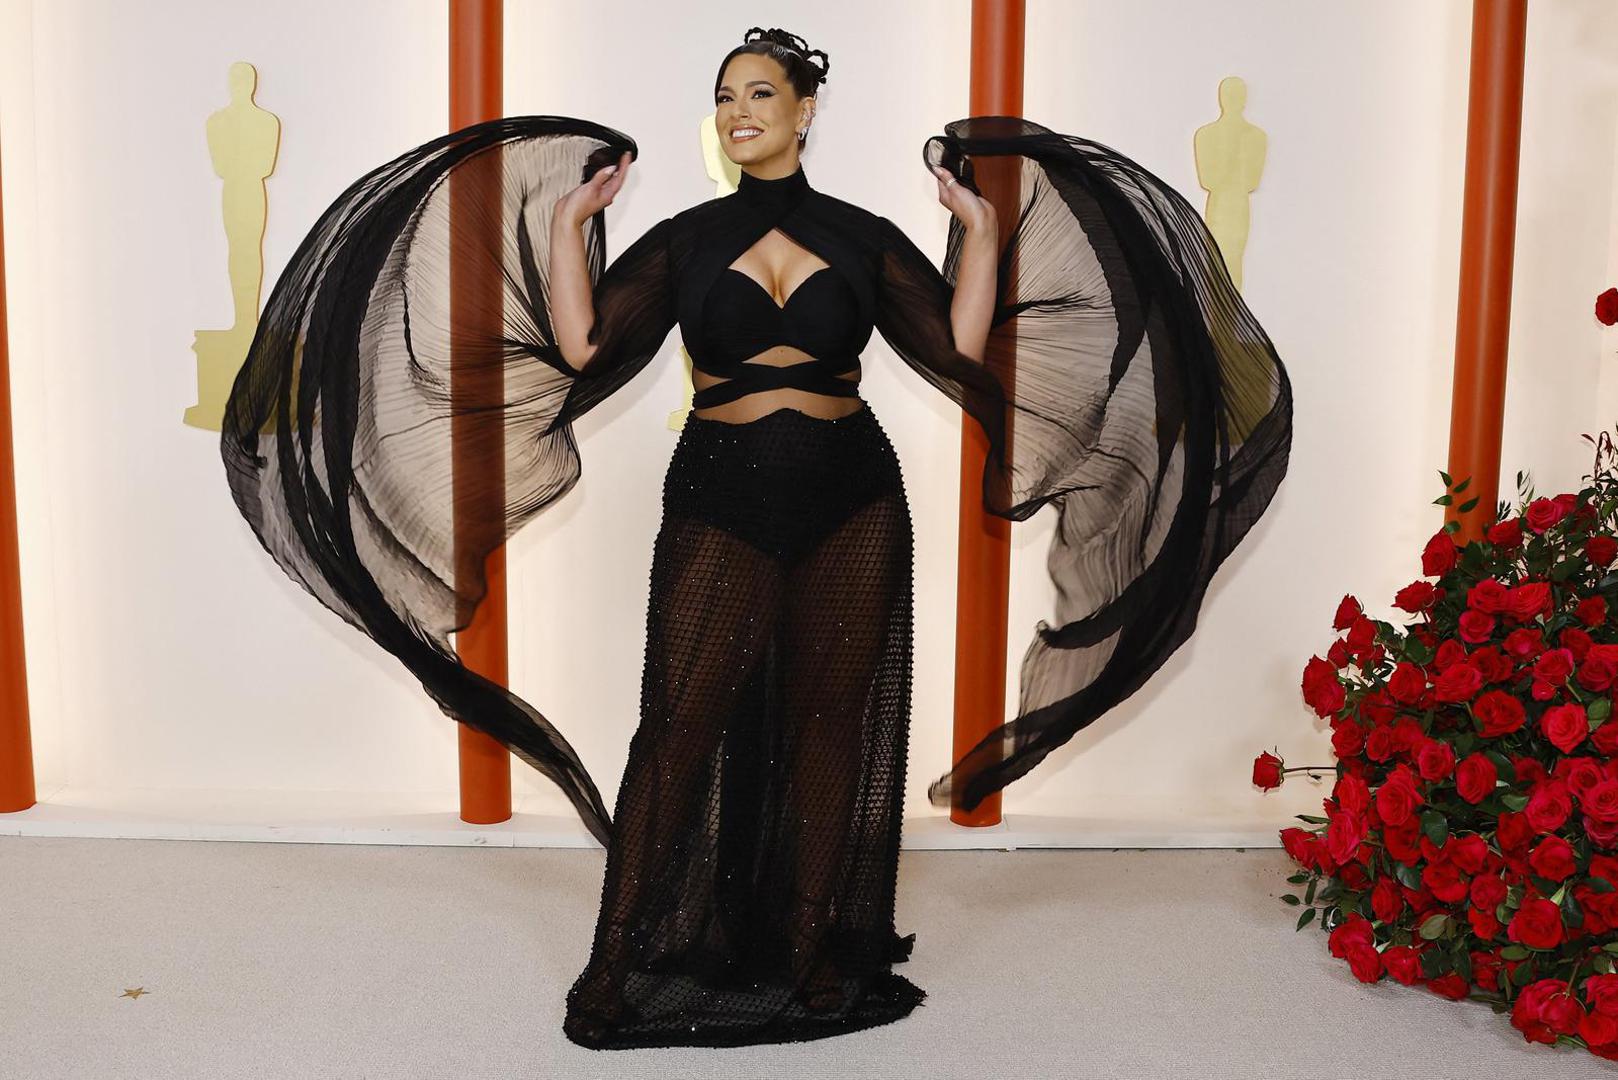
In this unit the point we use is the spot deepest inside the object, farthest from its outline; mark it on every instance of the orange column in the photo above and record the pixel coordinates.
(16, 746)
(1488, 236)
(475, 75)
(983, 575)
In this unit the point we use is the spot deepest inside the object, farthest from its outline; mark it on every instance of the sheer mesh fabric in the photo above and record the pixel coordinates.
(749, 889)
(381, 449)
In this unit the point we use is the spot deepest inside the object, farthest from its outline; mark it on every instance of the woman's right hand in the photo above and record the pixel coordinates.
(594, 195)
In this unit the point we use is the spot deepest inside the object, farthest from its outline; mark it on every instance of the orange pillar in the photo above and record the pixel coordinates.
(983, 574)
(475, 75)
(16, 746)
(1488, 236)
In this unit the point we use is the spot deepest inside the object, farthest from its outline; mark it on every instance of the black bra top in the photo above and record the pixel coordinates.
(740, 320)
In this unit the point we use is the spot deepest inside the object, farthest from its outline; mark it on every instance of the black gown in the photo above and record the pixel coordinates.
(753, 852)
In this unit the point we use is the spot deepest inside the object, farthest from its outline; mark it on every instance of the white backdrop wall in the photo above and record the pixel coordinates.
(167, 652)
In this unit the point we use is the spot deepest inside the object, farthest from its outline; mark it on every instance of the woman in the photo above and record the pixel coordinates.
(752, 855)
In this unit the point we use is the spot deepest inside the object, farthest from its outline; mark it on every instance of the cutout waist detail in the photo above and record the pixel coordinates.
(819, 375)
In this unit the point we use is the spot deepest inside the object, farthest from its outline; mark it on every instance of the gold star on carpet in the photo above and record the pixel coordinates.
(135, 993)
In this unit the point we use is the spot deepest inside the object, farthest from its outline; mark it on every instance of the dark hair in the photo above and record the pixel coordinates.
(789, 50)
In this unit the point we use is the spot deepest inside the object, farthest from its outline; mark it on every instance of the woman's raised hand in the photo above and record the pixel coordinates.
(594, 195)
(975, 213)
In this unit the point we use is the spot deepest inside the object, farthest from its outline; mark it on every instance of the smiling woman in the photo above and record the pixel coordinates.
(752, 856)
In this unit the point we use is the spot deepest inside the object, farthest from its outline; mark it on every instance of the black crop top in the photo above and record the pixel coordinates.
(740, 320)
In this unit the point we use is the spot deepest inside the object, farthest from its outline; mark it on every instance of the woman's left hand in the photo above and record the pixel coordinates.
(975, 212)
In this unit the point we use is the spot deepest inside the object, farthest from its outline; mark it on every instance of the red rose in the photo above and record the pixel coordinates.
(1475, 778)
(1601, 550)
(1321, 689)
(1514, 832)
(1499, 713)
(1397, 798)
(1476, 627)
(1401, 841)
(1605, 738)
(1387, 900)
(1543, 513)
(1529, 771)
(1353, 932)
(1267, 771)
(1506, 534)
(1379, 744)
(1458, 683)
(1486, 970)
(1601, 991)
(1403, 964)
(1607, 307)
(1575, 641)
(1529, 600)
(1601, 801)
(1598, 1029)
(1348, 609)
(1488, 596)
(1347, 740)
(1552, 859)
(1537, 924)
(1467, 852)
(1528, 1011)
(1493, 663)
(1366, 963)
(1591, 611)
(1450, 985)
(1565, 726)
(1361, 635)
(1555, 666)
(1449, 653)
(1436, 760)
(1581, 774)
(1438, 557)
(1407, 683)
(1351, 793)
(1525, 643)
(1303, 846)
(1415, 597)
(1446, 882)
(1603, 834)
(1549, 806)
(1488, 891)
(1484, 923)
(1600, 667)
(1344, 834)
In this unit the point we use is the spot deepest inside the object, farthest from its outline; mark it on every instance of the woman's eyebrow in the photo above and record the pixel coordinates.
(755, 82)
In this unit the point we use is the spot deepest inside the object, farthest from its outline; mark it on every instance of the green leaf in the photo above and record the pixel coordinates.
(1434, 926)
(1514, 800)
(1305, 919)
(1598, 710)
(1452, 527)
(1462, 486)
(1514, 952)
(1290, 899)
(1436, 826)
(1408, 876)
(1443, 500)
(1309, 895)
(1310, 819)
(1611, 946)
(1444, 476)
(1469, 504)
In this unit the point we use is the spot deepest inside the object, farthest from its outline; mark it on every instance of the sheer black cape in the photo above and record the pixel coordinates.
(1126, 384)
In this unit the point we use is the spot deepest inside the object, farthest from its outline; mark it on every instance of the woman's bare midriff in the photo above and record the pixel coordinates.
(762, 403)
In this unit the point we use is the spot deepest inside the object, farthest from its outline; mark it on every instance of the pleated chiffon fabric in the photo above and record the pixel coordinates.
(1126, 384)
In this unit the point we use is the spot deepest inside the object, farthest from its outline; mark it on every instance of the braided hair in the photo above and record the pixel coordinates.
(790, 51)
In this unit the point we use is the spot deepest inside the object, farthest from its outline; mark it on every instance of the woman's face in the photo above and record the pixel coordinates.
(758, 115)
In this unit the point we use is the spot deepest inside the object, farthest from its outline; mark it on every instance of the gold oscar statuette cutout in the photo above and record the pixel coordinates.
(725, 174)
(242, 141)
(1230, 160)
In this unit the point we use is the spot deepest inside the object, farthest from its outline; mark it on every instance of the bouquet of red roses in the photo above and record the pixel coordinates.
(1470, 842)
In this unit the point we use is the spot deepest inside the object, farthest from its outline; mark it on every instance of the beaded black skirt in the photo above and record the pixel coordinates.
(749, 887)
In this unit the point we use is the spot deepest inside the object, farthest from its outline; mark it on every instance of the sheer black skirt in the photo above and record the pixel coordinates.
(749, 888)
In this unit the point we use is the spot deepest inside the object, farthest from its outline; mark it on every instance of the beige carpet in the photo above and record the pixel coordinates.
(294, 961)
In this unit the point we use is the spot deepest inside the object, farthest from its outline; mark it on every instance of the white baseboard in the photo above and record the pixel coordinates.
(334, 817)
